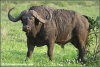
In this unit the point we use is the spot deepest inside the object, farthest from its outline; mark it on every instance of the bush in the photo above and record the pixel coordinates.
(92, 56)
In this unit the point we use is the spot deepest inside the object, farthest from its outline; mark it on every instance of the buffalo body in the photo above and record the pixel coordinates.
(45, 26)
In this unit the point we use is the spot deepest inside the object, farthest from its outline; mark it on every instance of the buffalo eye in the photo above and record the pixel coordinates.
(36, 21)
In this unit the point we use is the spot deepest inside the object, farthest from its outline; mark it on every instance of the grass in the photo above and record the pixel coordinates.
(39, 58)
(13, 39)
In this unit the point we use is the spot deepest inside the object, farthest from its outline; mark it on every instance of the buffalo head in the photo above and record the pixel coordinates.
(28, 18)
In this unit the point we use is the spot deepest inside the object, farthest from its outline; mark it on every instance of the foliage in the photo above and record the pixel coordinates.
(94, 23)
(93, 56)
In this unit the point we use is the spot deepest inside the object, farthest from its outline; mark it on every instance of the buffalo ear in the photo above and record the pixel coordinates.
(36, 21)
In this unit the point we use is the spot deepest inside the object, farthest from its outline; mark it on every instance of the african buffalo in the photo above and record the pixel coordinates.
(45, 26)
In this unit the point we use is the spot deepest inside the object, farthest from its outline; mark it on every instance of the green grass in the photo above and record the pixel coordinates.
(13, 39)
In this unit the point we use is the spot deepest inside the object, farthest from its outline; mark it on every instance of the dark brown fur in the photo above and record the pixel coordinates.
(65, 26)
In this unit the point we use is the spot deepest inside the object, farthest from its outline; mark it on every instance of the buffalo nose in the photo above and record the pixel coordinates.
(26, 28)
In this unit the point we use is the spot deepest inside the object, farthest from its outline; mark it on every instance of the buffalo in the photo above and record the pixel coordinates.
(45, 26)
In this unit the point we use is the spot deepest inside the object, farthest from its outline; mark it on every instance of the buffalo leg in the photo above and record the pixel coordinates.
(29, 52)
(80, 45)
(50, 50)
(30, 49)
(81, 49)
(82, 37)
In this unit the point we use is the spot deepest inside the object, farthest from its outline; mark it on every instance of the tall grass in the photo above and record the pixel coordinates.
(13, 39)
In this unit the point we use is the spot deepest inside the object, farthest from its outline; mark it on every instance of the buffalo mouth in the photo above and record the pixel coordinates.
(27, 31)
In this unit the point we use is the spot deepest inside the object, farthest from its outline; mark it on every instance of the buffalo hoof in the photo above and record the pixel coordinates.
(26, 59)
(82, 61)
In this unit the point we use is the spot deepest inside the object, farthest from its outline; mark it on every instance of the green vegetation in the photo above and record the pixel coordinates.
(13, 39)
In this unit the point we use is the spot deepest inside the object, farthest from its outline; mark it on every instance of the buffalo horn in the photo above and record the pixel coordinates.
(14, 19)
(35, 14)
